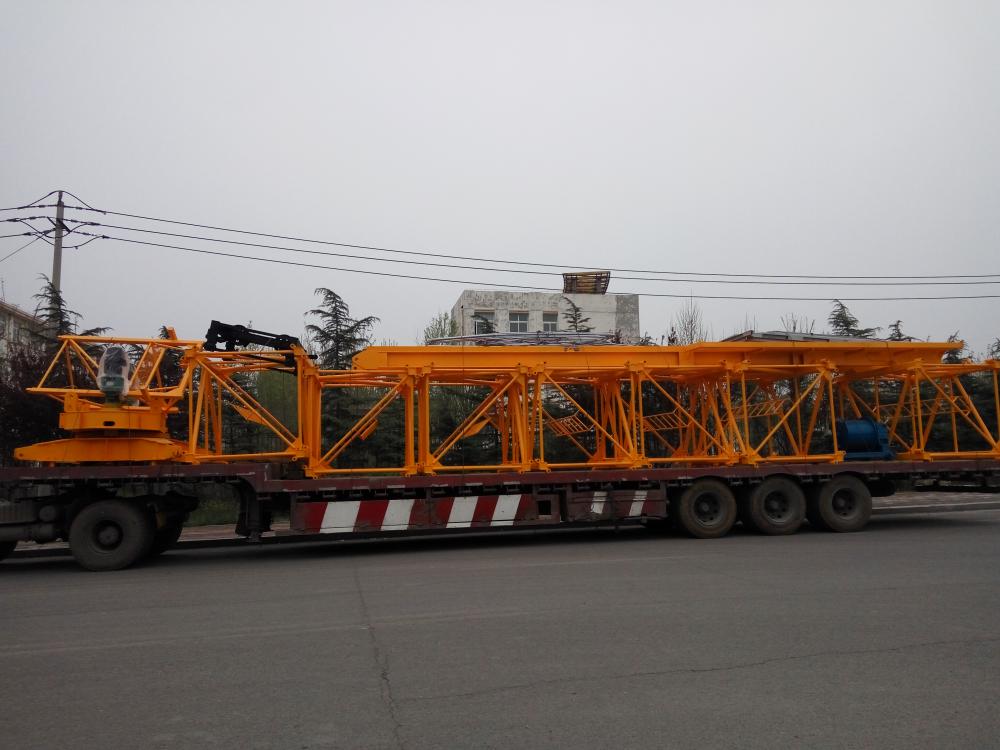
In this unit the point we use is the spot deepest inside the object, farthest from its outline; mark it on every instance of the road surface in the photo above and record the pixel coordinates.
(889, 638)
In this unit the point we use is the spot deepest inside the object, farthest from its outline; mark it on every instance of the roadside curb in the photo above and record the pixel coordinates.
(889, 510)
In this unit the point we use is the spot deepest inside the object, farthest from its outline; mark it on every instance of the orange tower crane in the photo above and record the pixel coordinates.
(542, 407)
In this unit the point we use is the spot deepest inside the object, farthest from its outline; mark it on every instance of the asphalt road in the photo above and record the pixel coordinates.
(885, 639)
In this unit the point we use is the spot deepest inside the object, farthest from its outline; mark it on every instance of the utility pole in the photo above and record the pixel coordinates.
(57, 245)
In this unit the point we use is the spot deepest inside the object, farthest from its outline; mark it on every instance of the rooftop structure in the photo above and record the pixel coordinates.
(478, 312)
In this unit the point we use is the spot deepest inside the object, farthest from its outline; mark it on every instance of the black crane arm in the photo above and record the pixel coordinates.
(236, 335)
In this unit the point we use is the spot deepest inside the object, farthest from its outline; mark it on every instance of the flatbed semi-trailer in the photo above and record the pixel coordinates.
(768, 434)
(136, 511)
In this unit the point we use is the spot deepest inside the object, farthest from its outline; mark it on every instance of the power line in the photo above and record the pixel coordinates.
(500, 270)
(534, 273)
(536, 264)
(35, 203)
(518, 286)
(11, 255)
(30, 205)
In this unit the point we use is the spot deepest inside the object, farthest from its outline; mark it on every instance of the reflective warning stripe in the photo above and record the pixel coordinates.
(637, 502)
(506, 510)
(341, 516)
(397, 516)
(462, 510)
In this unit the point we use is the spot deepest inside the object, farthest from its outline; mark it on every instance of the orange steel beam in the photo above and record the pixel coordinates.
(521, 408)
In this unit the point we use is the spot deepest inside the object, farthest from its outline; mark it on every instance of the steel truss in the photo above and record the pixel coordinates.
(526, 408)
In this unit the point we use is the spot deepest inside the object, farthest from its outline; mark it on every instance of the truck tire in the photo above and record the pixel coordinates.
(166, 537)
(776, 506)
(706, 509)
(110, 535)
(843, 504)
(6, 548)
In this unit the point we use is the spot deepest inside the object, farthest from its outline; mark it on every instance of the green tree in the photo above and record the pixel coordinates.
(575, 319)
(337, 336)
(483, 324)
(689, 325)
(956, 356)
(793, 323)
(442, 326)
(843, 323)
(993, 352)
(896, 332)
(56, 317)
(27, 419)
(24, 419)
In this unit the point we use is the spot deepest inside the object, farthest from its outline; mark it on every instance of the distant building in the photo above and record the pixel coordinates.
(16, 327)
(530, 312)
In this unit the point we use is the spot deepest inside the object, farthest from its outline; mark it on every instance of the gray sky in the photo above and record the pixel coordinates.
(768, 137)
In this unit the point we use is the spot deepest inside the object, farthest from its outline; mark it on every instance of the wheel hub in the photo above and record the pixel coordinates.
(844, 504)
(707, 509)
(776, 506)
(108, 535)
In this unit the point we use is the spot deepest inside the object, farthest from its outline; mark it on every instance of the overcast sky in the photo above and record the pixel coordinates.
(795, 137)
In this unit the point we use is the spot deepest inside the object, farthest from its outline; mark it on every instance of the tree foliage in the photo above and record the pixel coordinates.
(483, 324)
(843, 323)
(337, 336)
(442, 326)
(689, 325)
(56, 317)
(792, 323)
(27, 419)
(575, 319)
(896, 332)
(993, 352)
(24, 419)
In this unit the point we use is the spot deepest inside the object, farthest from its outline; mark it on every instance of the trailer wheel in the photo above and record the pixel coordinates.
(166, 537)
(775, 506)
(6, 548)
(842, 504)
(706, 509)
(110, 535)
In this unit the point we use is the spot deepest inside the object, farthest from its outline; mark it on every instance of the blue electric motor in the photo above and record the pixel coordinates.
(864, 440)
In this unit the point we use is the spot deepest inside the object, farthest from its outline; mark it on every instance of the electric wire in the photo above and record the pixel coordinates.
(35, 203)
(534, 273)
(517, 286)
(27, 244)
(536, 264)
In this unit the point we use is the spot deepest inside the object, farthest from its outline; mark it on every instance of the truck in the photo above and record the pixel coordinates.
(771, 434)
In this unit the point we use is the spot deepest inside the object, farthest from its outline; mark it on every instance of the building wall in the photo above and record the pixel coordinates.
(16, 326)
(607, 312)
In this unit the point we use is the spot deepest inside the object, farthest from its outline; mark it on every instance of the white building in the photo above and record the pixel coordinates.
(16, 327)
(530, 312)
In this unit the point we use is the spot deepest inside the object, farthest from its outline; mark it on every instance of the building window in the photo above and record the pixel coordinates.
(518, 322)
(550, 322)
(484, 321)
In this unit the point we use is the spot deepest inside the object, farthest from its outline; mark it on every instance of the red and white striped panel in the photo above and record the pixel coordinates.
(475, 511)
(602, 505)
